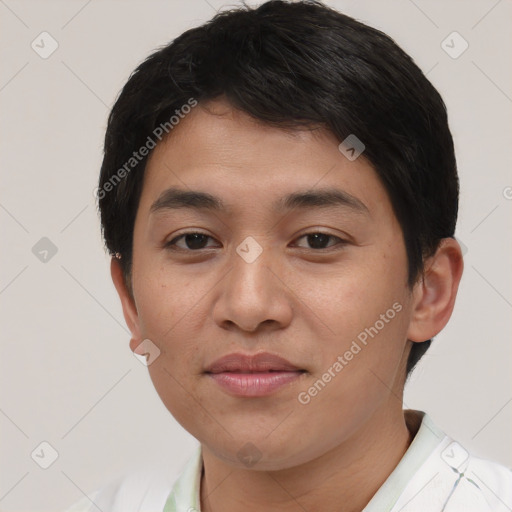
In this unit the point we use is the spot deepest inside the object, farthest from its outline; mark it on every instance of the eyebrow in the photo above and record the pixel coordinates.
(176, 198)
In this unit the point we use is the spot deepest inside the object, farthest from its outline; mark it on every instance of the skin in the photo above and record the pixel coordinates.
(303, 303)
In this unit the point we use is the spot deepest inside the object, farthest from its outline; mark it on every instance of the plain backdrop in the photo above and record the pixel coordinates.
(67, 374)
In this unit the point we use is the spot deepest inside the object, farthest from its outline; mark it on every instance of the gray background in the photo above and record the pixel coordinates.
(67, 374)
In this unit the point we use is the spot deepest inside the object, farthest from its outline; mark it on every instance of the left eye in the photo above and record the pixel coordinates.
(316, 240)
(195, 241)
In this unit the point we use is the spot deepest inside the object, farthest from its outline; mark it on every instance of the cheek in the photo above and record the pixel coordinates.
(366, 312)
(355, 298)
(360, 368)
(171, 316)
(166, 301)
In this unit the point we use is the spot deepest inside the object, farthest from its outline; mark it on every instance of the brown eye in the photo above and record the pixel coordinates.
(320, 240)
(193, 241)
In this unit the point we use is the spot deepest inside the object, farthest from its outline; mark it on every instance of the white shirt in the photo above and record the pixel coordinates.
(436, 474)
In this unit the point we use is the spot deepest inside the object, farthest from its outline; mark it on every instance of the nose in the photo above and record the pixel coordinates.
(253, 295)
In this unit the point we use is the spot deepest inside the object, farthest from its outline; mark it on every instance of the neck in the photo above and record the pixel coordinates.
(343, 479)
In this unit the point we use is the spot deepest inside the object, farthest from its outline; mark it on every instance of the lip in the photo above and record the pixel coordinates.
(247, 363)
(253, 375)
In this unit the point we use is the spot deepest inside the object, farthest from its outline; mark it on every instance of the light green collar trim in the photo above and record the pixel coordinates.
(184, 496)
(425, 441)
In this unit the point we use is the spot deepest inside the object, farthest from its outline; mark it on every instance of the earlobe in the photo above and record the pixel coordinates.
(128, 304)
(435, 293)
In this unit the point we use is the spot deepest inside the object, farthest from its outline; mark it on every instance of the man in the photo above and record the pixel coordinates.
(279, 194)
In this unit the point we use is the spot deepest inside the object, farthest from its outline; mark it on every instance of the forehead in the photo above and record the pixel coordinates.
(219, 150)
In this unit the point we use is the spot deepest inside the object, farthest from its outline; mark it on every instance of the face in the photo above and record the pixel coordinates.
(319, 281)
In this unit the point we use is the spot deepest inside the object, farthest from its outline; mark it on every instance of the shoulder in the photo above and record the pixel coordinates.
(440, 474)
(493, 479)
(471, 483)
(138, 491)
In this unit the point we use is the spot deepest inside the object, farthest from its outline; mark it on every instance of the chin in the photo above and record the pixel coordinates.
(253, 452)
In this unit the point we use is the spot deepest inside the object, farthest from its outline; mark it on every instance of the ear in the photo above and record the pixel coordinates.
(434, 294)
(129, 309)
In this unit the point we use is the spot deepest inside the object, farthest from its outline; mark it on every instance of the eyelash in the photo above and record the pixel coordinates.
(172, 244)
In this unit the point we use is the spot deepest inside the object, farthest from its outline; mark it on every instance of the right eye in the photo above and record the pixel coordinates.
(193, 241)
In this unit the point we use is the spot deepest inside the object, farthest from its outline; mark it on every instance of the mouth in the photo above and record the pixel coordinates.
(254, 371)
(253, 375)
(251, 363)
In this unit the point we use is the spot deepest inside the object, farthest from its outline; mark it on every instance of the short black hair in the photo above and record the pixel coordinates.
(294, 65)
